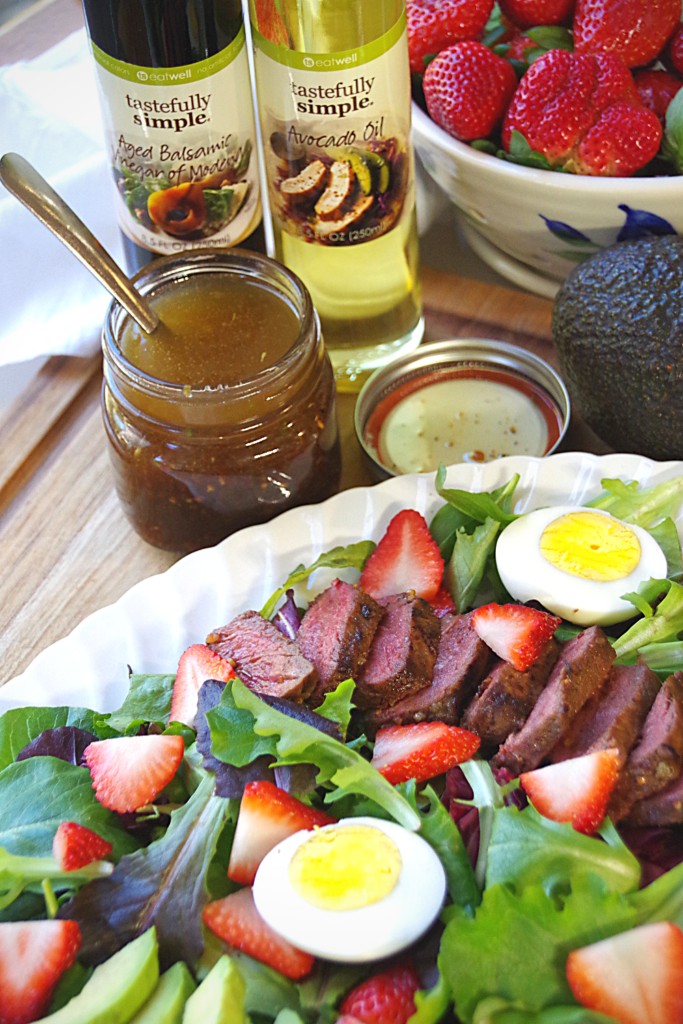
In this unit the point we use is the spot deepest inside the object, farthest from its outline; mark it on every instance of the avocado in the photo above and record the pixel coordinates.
(167, 1001)
(219, 999)
(618, 329)
(117, 988)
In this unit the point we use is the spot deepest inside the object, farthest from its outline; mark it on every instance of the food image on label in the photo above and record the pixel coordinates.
(182, 146)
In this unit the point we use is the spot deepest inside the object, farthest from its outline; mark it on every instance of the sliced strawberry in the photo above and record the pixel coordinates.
(443, 603)
(514, 632)
(421, 750)
(129, 771)
(267, 816)
(635, 977)
(407, 558)
(33, 957)
(576, 790)
(385, 998)
(235, 920)
(74, 846)
(197, 664)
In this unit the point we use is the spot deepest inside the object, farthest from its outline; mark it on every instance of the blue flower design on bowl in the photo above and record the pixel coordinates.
(637, 224)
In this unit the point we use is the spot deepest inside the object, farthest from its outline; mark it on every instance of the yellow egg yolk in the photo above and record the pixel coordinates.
(590, 545)
(345, 868)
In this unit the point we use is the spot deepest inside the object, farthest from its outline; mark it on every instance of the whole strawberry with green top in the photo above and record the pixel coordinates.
(635, 30)
(581, 113)
(435, 24)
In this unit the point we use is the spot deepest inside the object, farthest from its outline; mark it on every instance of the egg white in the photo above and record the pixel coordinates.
(366, 933)
(528, 576)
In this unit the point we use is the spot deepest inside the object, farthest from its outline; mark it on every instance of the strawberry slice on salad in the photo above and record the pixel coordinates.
(384, 998)
(197, 664)
(33, 957)
(130, 771)
(235, 920)
(407, 558)
(74, 846)
(514, 632)
(576, 790)
(267, 816)
(635, 977)
(421, 750)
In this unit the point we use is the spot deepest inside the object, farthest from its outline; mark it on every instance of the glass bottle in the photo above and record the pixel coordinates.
(179, 123)
(333, 88)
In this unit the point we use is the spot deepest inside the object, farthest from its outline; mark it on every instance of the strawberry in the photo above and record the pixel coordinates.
(267, 816)
(467, 88)
(33, 957)
(130, 771)
(656, 89)
(514, 632)
(385, 998)
(197, 664)
(674, 50)
(434, 25)
(576, 790)
(74, 846)
(443, 603)
(529, 13)
(634, 30)
(583, 114)
(421, 750)
(407, 558)
(635, 977)
(235, 920)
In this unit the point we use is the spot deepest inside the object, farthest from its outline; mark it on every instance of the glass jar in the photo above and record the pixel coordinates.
(195, 461)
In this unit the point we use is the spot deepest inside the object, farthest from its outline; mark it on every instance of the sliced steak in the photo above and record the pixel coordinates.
(657, 759)
(402, 654)
(662, 809)
(461, 662)
(336, 633)
(266, 661)
(505, 697)
(614, 717)
(580, 671)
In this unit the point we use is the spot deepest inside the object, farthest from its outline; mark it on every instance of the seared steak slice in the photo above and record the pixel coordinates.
(657, 759)
(336, 633)
(402, 654)
(266, 661)
(461, 661)
(580, 671)
(614, 717)
(506, 696)
(664, 808)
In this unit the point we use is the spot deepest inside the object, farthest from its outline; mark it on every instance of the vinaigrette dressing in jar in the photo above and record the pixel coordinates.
(224, 416)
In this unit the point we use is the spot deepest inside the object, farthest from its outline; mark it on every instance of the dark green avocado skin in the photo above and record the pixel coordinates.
(618, 330)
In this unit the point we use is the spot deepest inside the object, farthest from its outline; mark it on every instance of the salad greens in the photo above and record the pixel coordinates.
(535, 890)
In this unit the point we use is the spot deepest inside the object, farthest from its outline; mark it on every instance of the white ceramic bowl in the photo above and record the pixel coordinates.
(526, 223)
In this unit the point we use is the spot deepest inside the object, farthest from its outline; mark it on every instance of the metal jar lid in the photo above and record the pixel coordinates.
(503, 396)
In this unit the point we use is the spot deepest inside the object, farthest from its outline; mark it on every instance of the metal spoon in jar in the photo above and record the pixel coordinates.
(22, 179)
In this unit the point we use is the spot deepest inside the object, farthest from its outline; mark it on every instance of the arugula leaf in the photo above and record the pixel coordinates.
(337, 705)
(352, 556)
(642, 506)
(465, 510)
(148, 700)
(441, 832)
(243, 727)
(661, 900)
(162, 885)
(468, 564)
(19, 726)
(664, 624)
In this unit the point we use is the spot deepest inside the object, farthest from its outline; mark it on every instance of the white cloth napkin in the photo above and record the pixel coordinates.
(50, 303)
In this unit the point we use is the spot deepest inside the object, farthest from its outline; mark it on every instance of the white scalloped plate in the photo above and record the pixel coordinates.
(155, 620)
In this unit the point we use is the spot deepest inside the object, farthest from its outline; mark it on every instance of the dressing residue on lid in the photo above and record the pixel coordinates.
(461, 414)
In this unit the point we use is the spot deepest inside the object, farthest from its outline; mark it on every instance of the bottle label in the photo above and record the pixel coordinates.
(182, 147)
(336, 131)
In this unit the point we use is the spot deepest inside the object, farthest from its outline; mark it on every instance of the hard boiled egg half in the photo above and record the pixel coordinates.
(357, 890)
(577, 562)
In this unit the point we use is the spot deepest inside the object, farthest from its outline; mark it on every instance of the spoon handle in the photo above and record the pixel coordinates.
(22, 179)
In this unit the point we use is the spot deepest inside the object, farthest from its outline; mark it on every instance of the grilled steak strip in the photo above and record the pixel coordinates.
(266, 661)
(505, 697)
(402, 654)
(664, 808)
(580, 672)
(461, 661)
(614, 717)
(336, 633)
(657, 759)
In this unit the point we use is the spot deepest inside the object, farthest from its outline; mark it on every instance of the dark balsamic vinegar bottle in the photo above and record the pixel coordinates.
(179, 123)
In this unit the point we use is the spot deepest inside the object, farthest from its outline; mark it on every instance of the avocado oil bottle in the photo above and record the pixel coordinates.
(179, 123)
(333, 90)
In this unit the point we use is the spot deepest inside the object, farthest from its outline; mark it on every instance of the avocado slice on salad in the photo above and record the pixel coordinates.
(167, 1002)
(219, 999)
